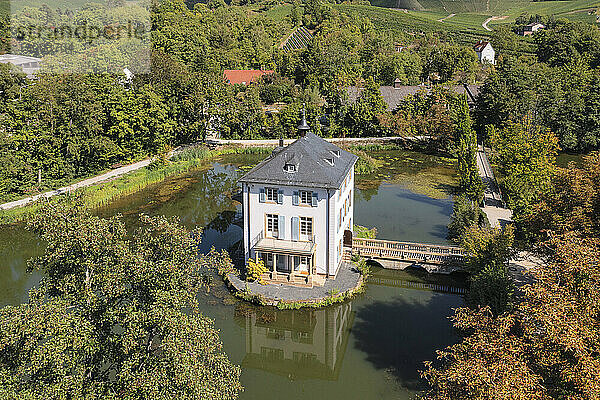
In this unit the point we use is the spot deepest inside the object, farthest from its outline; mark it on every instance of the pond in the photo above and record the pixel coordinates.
(564, 159)
(369, 348)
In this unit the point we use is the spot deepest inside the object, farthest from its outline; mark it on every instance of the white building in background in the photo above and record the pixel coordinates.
(485, 52)
(530, 29)
(29, 65)
(298, 209)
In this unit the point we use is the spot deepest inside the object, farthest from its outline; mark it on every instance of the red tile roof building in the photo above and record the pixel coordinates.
(244, 76)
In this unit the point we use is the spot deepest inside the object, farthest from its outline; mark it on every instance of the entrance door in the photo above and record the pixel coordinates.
(347, 238)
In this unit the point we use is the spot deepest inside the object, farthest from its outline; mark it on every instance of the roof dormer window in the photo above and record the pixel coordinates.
(330, 161)
(291, 168)
(335, 152)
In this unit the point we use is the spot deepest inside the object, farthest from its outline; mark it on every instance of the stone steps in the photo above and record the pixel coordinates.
(347, 256)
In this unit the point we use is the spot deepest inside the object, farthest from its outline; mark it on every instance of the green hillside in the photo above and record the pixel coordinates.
(397, 21)
(4, 7)
(17, 5)
(470, 14)
(507, 7)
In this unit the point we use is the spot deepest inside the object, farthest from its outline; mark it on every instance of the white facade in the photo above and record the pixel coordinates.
(537, 27)
(29, 65)
(309, 228)
(303, 343)
(486, 54)
(532, 28)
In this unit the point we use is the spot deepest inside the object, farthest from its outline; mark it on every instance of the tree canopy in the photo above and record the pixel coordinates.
(114, 316)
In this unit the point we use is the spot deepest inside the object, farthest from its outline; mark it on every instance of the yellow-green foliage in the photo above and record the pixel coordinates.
(102, 194)
(255, 269)
(363, 267)
(364, 232)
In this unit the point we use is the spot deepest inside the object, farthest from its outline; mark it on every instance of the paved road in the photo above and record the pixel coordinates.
(447, 17)
(487, 21)
(494, 207)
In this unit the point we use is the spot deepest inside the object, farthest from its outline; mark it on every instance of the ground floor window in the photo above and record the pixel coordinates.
(271, 354)
(301, 264)
(267, 259)
(284, 262)
(304, 358)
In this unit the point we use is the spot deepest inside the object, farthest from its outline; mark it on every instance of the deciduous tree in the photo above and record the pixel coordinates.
(115, 316)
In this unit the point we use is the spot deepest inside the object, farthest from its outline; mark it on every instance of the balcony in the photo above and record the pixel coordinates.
(287, 261)
(273, 245)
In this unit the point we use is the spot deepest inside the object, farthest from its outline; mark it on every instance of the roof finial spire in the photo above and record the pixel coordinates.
(303, 127)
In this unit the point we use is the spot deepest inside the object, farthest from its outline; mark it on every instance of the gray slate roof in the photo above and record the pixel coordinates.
(308, 153)
(17, 59)
(394, 95)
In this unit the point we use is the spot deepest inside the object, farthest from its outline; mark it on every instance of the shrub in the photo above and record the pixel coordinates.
(366, 164)
(464, 215)
(491, 287)
(255, 269)
(363, 267)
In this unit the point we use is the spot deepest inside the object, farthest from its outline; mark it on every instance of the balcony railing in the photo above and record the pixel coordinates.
(270, 244)
(257, 239)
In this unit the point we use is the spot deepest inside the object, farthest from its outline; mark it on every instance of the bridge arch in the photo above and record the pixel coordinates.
(374, 263)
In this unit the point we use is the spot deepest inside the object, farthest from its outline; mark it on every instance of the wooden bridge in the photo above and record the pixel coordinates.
(399, 255)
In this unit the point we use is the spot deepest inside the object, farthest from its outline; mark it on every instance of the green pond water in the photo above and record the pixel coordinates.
(369, 348)
(564, 159)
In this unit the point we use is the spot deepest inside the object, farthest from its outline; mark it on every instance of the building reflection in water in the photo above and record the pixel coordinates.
(299, 344)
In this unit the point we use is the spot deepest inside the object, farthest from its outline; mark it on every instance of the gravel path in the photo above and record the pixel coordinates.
(495, 18)
(487, 21)
(86, 182)
(141, 164)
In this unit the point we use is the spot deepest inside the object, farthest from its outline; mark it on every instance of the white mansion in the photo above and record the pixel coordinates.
(298, 208)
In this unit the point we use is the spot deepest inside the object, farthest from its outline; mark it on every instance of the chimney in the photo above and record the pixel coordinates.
(303, 128)
(279, 148)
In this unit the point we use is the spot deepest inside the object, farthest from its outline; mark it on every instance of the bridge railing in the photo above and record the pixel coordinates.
(432, 253)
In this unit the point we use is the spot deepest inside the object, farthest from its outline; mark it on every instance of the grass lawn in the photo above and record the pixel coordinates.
(278, 13)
